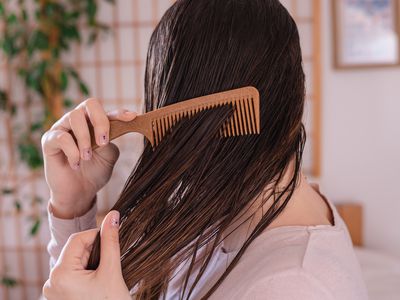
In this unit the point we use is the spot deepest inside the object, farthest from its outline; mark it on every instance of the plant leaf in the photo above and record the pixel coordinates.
(73, 15)
(17, 205)
(7, 191)
(37, 200)
(35, 227)
(91, 10)
(63, 81)
(3, 100)
(8, 45)
(11, 19)
(30, 154)
(36, 126)
(24, 15)
(8, 281)
(92, 37)
(68, 103)
(2, 12)
(13, 109)
(39, 40)
(71, 32)
(83, 88)
(73, 73)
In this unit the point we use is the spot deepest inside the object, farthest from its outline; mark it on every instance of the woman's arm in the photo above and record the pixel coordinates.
(62, 229)
(74, 171)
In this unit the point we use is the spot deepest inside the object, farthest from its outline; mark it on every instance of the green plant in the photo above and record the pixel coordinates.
(33, 43)
(8, 281)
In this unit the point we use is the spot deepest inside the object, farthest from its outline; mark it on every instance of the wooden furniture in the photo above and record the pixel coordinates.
(352, 215)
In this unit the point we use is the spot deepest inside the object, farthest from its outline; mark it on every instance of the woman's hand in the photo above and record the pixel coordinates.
(75, 173)
(69, 280)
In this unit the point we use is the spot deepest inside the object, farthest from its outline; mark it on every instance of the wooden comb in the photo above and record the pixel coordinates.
(155, 124)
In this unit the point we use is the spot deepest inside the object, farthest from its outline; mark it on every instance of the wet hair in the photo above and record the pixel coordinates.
(187, 191)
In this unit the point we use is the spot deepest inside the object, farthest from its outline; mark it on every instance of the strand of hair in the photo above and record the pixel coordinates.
(166, 124)
(174, 119)
(246, 114)
(243, 114)
(248, 120)
(162, 127)
(231, 123)
(228, 129)
(228, 123)
(154, 132)
(253, 114)
(238, 117)
(169, 123)
(157, 132)
(231, 120)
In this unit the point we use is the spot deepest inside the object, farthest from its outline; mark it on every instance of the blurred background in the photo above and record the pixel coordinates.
(55, 54)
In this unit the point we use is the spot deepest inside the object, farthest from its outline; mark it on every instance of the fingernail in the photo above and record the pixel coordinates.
(114, 219)
(76, 166)
(103, 139)
(87, 153)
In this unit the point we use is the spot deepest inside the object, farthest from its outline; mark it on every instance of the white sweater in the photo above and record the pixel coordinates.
(288, 262)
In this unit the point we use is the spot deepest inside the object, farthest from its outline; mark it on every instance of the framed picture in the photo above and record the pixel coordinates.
(366, 33)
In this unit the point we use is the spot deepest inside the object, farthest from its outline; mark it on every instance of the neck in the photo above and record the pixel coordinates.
(246, 221)
(306, 207)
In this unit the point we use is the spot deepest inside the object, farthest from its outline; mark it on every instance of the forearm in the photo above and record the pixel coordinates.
(62, 228)
(67, 209)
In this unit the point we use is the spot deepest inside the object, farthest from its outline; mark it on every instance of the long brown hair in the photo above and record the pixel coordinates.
(186, 192)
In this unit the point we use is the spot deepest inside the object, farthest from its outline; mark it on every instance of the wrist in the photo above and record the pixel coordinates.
(70, 210)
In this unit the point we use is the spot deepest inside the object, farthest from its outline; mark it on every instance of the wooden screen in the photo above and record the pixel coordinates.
(307, 14)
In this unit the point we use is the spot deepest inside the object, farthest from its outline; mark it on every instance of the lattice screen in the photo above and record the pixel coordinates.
(114, 69)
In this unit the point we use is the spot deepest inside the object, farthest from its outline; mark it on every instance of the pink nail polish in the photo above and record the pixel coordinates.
(114, 220)
(103, 139)
(87, 154)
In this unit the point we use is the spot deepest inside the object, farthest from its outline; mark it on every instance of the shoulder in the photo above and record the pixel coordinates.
(312, 262)
(291, 284)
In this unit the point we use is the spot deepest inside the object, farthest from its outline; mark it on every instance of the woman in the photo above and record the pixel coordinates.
(201, 218)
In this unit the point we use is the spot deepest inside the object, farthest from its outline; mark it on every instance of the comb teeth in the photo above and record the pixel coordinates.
(244, 120)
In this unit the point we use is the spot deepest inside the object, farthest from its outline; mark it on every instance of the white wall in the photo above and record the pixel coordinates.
(361, 142)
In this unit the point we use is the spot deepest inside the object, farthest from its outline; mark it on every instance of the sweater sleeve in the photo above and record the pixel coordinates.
(296, 284)
(61, 229)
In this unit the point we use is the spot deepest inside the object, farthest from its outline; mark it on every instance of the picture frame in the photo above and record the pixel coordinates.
(366, 33)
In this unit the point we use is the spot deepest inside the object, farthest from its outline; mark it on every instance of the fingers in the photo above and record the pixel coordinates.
(110, 260)
(89, 113)
(93, 111)
(87, 117)
(55, 141)
(79, 126)
(108, 155)
(98, 118)
(76, 250)
(122, 115)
